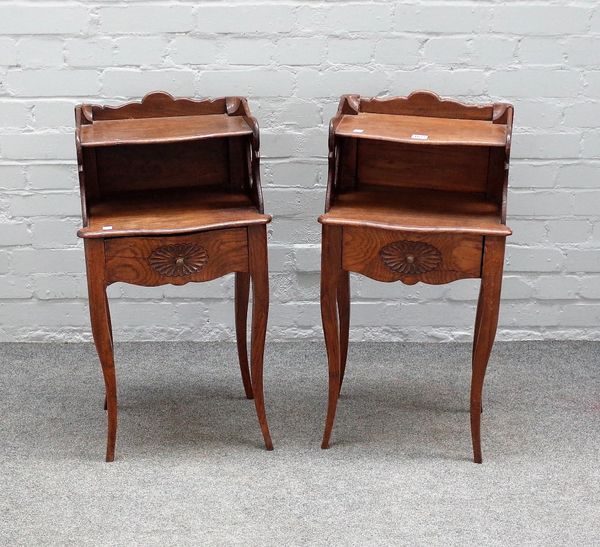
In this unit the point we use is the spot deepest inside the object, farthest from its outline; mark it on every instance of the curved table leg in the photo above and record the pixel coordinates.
(485, 330)
(476, 331)
(101, 331)
(331, 268)
(111, 338)
(257, 252)
(242, 293)
(343, 303)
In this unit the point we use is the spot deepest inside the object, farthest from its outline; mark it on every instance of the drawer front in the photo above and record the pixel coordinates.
(410, 257)
(177, 260)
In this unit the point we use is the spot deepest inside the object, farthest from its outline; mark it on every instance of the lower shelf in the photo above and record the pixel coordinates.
(166, 212)
(416, 210)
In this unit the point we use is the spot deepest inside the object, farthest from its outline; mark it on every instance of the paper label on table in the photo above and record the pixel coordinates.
(107, 227)
(419, 137)
(358, 131)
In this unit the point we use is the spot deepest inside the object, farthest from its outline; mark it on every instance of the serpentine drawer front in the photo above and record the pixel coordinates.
(389, 255)
(177, 260)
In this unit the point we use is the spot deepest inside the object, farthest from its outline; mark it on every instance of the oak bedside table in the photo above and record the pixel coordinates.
(170, 193)
(416, 193)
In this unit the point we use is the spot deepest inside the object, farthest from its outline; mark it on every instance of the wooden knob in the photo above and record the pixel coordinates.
(180, 260)
(410, 259)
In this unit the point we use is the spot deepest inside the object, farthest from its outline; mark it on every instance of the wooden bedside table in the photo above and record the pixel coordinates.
(170, 193)
(416, 192)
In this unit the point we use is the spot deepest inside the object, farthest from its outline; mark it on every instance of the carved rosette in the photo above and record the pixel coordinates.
(179, 260)
(411, 257)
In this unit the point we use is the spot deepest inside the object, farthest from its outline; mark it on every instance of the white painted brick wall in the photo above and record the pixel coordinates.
(293, 59)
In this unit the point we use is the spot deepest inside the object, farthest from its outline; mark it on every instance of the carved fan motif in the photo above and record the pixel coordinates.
(410, 257)
(178, 260)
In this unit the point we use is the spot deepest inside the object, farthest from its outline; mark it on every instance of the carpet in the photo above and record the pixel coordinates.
(191, 468)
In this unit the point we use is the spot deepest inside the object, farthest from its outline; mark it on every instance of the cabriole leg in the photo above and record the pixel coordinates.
(102, 333)
(257, 252)
(331, 271)
(343, 303)
(242, 293)
(485, 330)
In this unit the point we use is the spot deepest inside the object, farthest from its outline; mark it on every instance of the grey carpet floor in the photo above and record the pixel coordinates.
(191, 469)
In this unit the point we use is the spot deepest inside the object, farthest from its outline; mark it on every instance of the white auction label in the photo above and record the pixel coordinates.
(419, 137)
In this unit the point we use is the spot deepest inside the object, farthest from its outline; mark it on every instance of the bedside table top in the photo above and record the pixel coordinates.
(422, 130)
(162, 130)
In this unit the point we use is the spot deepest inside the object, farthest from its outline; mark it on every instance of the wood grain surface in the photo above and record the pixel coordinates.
(102, 334)
(259, 274)
(157, 104)
(331, 272)
(128, 258)
(486, 322)
(160, 166)
(460, 255)
(425, 103)
(162, 130)
(169, 212)
(422, 130)
(451, 168)
(417, 210)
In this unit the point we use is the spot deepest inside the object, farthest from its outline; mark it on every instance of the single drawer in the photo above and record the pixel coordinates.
(177, 260)
(410, 257)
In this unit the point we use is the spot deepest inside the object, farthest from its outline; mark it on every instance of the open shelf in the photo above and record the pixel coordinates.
(422, 130)
(417, 210)
(171, 211)
(162, 130)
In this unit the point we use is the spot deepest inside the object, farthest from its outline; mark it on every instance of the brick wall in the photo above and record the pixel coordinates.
(293, 59)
